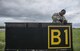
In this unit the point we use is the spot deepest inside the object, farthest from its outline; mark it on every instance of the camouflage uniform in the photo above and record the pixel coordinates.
(57, 18)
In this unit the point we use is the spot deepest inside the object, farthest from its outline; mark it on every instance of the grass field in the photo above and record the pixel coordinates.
(2, 40)
(76, 39)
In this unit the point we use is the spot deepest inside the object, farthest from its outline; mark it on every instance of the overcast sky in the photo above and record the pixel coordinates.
(38, 10)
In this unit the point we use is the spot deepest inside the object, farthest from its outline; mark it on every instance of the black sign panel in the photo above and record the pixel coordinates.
(26, 36)
(38, 36)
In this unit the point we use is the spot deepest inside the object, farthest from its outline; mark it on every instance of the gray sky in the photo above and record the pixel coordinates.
(38, 10)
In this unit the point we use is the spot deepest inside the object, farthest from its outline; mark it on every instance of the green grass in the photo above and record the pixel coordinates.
(76, 39)
(2, 40)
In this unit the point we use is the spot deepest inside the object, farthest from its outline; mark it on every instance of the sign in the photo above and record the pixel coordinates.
(59, 36)
(48, 36)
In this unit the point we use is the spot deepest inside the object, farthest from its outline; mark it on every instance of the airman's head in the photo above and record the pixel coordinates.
(62, 12)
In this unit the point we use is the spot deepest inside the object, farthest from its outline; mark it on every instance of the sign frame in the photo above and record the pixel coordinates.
(70, 36)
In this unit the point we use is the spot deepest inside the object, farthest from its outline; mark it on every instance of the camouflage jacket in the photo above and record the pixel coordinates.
(56, 18)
